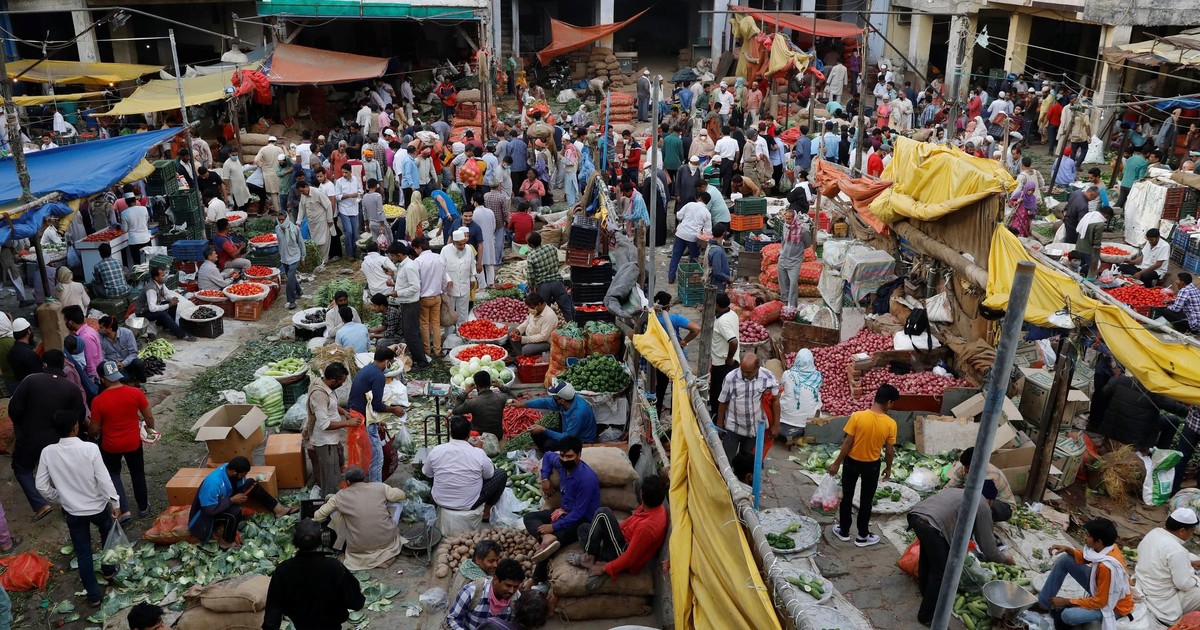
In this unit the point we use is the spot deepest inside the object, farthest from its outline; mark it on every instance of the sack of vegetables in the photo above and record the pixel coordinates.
(566, 342)
(267, 393)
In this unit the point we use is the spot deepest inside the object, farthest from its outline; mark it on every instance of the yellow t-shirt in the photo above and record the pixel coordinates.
(871, 431)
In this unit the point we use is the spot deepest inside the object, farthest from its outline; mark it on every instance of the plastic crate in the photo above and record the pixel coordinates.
(272, 295)
(750, 206)
(745, 223)
(161, 261)
(210, 329)
(583, 317)
(592, 292)
(1179, 238)
(1177, 256)
(691, 296)
(1173, 202)
(188, 249)
(756, 245)
(293, 391)
(690, 274)
(1193, 245)
(583, 237)
(535, 373)
(602, 272)
(580, 257)
(267, 257)
(1191, 263)
(164, 180)
(248, 311)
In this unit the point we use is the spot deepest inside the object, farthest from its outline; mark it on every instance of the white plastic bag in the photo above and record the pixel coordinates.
(938, 308)
(508, 510)
(828, 495)
(1160, 475)
(435, 598)
(1046, 352)
(923, 480)
(1095, 152)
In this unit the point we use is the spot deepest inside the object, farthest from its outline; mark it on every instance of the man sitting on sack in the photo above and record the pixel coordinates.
(464, 478)
(360, 517)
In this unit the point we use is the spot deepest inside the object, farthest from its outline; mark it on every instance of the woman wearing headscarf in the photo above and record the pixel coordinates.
(414, 216)
(702, 146)
(69, 292)
(799, 396)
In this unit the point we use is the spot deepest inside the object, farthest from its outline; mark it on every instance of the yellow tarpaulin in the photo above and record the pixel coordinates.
(932, 181)
(78, 72)
(715, 581)
(30, 101)
(1172, 370)
(163, 94)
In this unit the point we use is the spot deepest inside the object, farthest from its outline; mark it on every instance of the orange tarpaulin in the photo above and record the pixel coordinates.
(861, 191)
(567, 37)
(818, 27)
(301, 65)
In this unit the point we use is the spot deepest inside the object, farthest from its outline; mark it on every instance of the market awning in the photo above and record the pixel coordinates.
(1182, 49)
(1170, 369)
(78, 72)
(163, 94)
(567, 37)
(82, 169)
(300, 65)
(31, 101)
(368, 9)
(812, 26)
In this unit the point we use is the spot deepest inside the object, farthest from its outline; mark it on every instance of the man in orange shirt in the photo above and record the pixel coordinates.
(875, 162)
(867, 433)
(1107, 579)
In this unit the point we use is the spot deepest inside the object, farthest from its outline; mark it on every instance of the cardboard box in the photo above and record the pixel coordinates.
(1068, 459)
(973, 408)
(182, 488)
(285, 452)
(230, 431)
(1018, 478)
(938, 434)
(1035, 395)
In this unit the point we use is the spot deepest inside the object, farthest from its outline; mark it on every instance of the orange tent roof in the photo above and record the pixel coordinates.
(300, 65)
(817, 27)
(567, 37)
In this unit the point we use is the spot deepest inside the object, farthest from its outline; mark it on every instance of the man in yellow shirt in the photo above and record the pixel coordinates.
(867, 433)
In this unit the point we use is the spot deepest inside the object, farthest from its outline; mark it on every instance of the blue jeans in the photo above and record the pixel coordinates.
(693, 250)
(292, 285)
(6, 617)
(351, 226)
(1065, 565)
(27, 479)
(80, 528)
(571, 187)
(500, 241)
(376, 472)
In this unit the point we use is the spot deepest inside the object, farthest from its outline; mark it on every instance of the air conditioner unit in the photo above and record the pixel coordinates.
(903, 16)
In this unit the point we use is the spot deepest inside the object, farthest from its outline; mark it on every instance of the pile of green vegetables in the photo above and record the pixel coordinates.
(597, 373)
(285, 367)
(780, 541)
(312, 258)
(159, 349)
(525, 485)
(812, 586)
(258, 227)
(887, 494)
(267, 394)
(601, 328)
(817, 457)
(572, 331)
(323, 296)
(524, 440)
(511, 292)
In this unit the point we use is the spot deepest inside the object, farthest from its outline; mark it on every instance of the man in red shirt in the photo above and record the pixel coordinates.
(521, 223)
(613, 550)
(1053, 120)
(875, 162)
(229, 254)
(116, 412)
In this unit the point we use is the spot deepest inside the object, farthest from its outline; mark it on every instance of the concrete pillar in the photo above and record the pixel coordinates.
(1111, 76)
(719, 22)
(958, 83)
(86, 44)
(123, 52)
(882, 23)
(497, 35)
(920, 34)
(604, 15)
(516, 28)
(1020, 25)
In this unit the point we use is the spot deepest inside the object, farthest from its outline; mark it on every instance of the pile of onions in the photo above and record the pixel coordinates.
(505, 310)
(751, 332)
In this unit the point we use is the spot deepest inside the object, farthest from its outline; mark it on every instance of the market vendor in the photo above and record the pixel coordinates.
(464, 478)
(1131, 414)
(686, 331)
(613, 548)
(1165, 572)
(1100, 569)
(324, 431)
(482, 563)
(217, 508)
(580, 491)
(486, 406)
(229, 254)
(799, 396)
(1091, 233)
(958, 476)
(333, 320)
(390, 330)
(108, 276)
(934, 520)
(578, 420)
(1184, 312)
(1150, 264)
(157, 303)
(370, 379)
(120, 346)
(360, 517)
(210, 277)
(353, 335)
(532, 336)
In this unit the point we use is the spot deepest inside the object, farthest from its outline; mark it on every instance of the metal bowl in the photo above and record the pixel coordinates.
(1006, 599)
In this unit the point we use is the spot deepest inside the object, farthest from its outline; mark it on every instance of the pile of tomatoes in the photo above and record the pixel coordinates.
(481, 329)
(1137, 295)
(246, 289)
(209, 293)
(265, 238)
(478, 351)
(1113, 250)
(104, 236)
(591, 308)
(259, 271)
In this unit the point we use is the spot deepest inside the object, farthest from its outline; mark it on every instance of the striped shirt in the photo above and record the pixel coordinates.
(468, 612)
(744, 397)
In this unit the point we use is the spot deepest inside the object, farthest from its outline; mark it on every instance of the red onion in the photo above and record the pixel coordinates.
(506, 310)
(751, 332)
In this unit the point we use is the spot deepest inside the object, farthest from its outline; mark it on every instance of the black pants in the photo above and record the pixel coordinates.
(1178, 319)
(734, 444)
(556, 293)
(1149, 278)
(517, 178)
(1079, 151)
(135, 372)
(533, 521)
(544, 443)
(229, 519)
(602, 538)
(726, 169)
(1123, 196)
(660, 389)
(411, 317)
(135, 253)
(715, 381)
(852, 470)
(932, 562)
(137, 475)
(489, 495)
(777, 175)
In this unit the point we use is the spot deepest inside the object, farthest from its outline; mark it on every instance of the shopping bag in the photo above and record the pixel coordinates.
(25, 572)
(116, 543)
(358, 447)
(909, 559)
(827, 498)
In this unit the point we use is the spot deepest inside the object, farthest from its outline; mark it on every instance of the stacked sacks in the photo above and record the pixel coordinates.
(234, 603)
(603, 63)
(631, 595)
(622, 108)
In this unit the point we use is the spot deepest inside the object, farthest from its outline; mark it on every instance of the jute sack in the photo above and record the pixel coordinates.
(469, 96)
(569, 581)
(601, 607)
(244, 593)
(201, 618)
(611, 466)
(255, 138)
(622, 499)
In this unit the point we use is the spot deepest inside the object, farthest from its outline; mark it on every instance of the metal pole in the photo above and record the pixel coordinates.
(992, 406)
(862, 110)
(187, 127)
(1039, 470)
(956, 78)
(656, 96)
(14, 129)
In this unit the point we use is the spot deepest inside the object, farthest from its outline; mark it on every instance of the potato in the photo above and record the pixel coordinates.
(461, 550)
(442, 571)
(520, 557)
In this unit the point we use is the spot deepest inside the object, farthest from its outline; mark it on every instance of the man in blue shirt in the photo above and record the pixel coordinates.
(580, 490)
(662, 300)
(220, 498)
(718, 260)
(831, 142)
(519, 152)
(578, 421)
(370, 379)
(352, 334)
(803, 150)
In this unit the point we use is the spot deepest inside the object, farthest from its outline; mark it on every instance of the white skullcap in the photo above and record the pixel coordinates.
(457, 148)
(1000, 95)
(991, 139)
(1184, 515)
(461, 234)
(695, 159)
(20, 324)
(272, 139)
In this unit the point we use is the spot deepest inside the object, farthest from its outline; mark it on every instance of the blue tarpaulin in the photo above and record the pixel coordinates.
(30, 221)
(1182, 103)
(80, 170)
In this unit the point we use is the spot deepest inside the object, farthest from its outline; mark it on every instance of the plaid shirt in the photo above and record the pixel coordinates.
(1193, 419)
(1188, 302)
(543, 265)
(393, 323)
(110, 276)
(463, 616)
(500, 204)
(744, 397)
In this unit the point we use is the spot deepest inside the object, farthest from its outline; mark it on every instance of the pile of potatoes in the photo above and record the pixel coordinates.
(515, 543)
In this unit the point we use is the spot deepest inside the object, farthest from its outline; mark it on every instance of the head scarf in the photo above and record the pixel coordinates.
(804, 375)
(5, 326)
(414, 216)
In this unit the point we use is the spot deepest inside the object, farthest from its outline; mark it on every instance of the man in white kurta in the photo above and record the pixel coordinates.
(267, 160)
(234, 176)
(360, 516)
(316, 207)
(1165, 572)
(460, 267)
(835, 81)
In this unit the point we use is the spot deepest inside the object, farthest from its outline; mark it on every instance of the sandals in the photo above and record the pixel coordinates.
(595, 582)
(546, 552)
(42, 514)
(15, 542)
(125, 518)
(579, 560)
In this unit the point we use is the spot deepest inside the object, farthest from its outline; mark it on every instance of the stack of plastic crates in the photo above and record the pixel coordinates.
(186, 209)
(749, 214)
(690, 278)
(164, 180)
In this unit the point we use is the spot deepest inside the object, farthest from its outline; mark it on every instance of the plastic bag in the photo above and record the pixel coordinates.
(529, 461)
(974, 575)
(611, 434)
(938, 308)
(1160, 475)
(508, 510)
(115, 545)
(267, 393)
(358, 447)
(910, 558)
(827, 498)
(435, 598)
(296, 415)
(923, 480)
(25, 572)
(415, 511)
(404, 441)
(415, 488)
